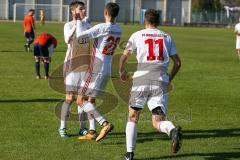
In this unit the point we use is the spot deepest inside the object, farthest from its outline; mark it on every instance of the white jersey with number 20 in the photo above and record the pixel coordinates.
(106, 38)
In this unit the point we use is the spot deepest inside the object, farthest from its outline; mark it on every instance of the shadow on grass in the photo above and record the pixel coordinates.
(13, 51)
(25, 51)
(187, 134)
(190, 134)
(30, 100)
(207, 156)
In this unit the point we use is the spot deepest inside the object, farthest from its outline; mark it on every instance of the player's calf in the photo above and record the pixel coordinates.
(37, 67)
(157, 116)
(131, 131)
(65, 112)
(46, 64)
(175, 134)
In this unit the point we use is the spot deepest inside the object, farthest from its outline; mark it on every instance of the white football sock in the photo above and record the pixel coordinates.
(166, 127)
(65, 110)
(91, 110)
(131, 136)
(62, 124)
(92, 125)
(82, 118)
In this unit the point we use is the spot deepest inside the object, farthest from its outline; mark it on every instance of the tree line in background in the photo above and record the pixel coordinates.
(212, 5)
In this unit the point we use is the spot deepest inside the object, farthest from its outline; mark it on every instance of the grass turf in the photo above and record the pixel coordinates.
(205, 102)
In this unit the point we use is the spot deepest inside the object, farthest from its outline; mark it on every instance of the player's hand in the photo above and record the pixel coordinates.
(123, 75)
(77, 16)
(169, 87)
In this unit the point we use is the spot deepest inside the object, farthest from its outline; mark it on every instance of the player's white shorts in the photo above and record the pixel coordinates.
(154, 94)
(73, 81)
(94, 84)
(238, 43)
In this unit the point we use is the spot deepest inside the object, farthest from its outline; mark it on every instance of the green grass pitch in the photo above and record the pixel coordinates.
(205, 102)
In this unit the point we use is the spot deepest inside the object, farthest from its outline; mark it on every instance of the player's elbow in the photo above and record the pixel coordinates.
(123, 58)
(178, 63)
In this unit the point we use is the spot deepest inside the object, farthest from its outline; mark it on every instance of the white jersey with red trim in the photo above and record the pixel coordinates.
(70, 38)
(153, 48)
(106, 38)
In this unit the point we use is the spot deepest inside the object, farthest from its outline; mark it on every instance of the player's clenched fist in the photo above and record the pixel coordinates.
(77, 16)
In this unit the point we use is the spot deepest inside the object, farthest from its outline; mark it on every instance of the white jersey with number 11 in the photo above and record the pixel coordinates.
(153, 48)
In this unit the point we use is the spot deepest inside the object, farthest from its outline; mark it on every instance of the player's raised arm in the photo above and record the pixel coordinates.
(93, 32)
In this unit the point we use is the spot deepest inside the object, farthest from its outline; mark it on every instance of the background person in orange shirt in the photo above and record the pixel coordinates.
(44, 46)
(29, 27)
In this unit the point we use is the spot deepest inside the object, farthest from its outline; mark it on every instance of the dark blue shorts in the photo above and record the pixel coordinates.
(41, 51)
(30, 35)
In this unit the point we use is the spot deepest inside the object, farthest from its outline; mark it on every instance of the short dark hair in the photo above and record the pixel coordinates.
(113, 9)
(31, 10)
(152, 16)
(74, 4)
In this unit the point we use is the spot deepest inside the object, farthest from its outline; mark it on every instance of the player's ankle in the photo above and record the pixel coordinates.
(92, 131)
(171, 133)
(105, 123)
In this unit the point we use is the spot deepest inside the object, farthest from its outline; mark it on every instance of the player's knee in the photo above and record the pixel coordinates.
(80, 101)
(133, 114)
(157, 116)
(37, 59)
(30, 41)
(91, 100)
(69, 99)
(158, 112)
(46, 60)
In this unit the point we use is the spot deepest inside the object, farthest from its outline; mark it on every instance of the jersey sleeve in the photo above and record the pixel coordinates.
(237, 28)
(172, 49)
(88, 22)
(68, 32)
(91, 33)
(131, 45)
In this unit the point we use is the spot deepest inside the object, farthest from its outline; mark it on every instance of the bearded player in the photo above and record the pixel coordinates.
(106, 37)
(153, 49)
(74, 71)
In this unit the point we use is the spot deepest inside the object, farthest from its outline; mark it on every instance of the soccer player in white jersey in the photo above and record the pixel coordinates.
(74, 75)
(153, 50)
(237, 31)
(106, 37)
